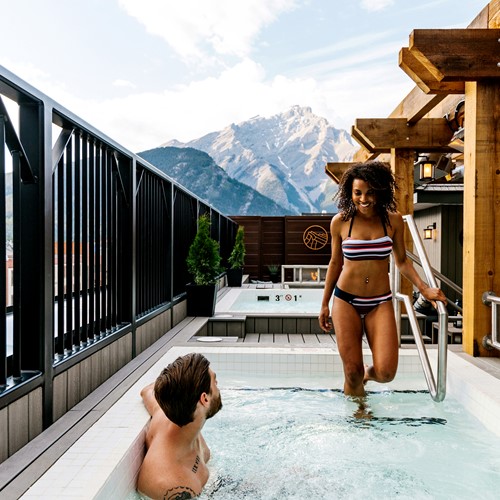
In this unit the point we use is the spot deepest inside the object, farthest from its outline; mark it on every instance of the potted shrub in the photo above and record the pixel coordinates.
(236, 260)
(203, 263)
(274, 270)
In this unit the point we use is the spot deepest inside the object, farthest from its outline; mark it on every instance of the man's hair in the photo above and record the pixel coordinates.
(379, 177)
(180, 385)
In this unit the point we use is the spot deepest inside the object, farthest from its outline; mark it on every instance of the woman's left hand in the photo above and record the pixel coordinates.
(433, 294)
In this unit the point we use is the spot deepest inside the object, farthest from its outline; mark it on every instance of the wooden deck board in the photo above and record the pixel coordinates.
(310, 339)
(251, 337)
(266, 338)
(326, 338)
(281, 338)
(306, 339)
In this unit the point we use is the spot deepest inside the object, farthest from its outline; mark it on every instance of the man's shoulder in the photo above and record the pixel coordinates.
(163, 476)
(176, 487)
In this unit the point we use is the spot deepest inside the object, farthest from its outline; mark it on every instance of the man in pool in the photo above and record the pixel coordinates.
(183, 397)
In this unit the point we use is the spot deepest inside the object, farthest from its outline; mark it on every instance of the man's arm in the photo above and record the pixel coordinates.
(148, 398)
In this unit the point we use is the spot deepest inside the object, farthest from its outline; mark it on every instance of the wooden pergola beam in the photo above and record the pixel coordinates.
(383, 134)
(452, 55)
(424, 79)
(366, 144)
(417, 104)
(363, 155)
(335, 170)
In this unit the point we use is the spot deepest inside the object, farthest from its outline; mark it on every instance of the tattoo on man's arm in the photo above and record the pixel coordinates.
(179, 493)
(196, 463)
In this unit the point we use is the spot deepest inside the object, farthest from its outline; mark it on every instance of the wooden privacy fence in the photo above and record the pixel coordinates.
(284, 240)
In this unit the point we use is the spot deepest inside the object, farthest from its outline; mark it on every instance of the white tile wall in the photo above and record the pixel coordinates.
(104, 462)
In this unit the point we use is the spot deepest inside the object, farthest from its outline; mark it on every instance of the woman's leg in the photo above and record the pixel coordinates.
(381, 333)
(348, 332)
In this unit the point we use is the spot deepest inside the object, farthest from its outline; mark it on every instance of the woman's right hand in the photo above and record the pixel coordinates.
(325, 322)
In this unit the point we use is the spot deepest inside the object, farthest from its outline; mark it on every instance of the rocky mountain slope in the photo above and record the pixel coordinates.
(282, 157)
(198, 172)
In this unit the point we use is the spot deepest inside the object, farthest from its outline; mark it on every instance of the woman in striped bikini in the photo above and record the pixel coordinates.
(364, 233)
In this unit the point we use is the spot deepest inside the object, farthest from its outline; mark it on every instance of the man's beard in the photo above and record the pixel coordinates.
(215, 406)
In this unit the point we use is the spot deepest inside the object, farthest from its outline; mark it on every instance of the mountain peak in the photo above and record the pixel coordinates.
(283, 157)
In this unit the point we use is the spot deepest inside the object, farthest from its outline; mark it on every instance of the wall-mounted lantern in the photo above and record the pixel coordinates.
(427, 169)
(429, 231)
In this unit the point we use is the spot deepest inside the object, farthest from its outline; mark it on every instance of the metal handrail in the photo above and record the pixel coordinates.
(493, 340)
(437, 274)
(437, 391)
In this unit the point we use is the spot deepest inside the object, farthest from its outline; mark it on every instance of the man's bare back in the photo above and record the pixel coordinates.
(175, 465)
(170, 471)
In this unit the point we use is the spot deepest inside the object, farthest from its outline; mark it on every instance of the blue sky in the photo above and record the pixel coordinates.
(148, 71)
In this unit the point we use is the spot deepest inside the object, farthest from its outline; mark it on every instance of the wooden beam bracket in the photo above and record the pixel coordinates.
(453, 55)
(383, 134)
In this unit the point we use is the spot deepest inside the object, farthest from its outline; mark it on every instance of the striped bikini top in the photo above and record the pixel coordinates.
(377, 249)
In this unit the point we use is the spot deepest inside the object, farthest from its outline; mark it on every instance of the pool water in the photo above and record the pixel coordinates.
(290, 443)
(275, 301)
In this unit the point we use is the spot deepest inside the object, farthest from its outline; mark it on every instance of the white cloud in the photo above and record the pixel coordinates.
(195, 29)
(190, 111)
(142, 121)
(362, 41)
(365, 60)
(123, 83)
(373, 5)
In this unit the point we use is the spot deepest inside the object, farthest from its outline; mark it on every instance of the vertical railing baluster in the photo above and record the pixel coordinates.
(16, 208)
(3, 272)
(59, 202)
(68, 336)
(109, 240)
(113, 210)
(98, 242)
(138, 253)
(154, 260)
(85, 242)
(149, 222)
(141, 243)
(77, 249)
(92, 245)
(144, 236)
(152, 252)
(104, 242)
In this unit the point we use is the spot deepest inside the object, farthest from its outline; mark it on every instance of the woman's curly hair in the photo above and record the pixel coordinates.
(379, 177)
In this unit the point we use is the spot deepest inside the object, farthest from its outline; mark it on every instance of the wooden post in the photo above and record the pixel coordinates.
(481, 270)
(402, 168)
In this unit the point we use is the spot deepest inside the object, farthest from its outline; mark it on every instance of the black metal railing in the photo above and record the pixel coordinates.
(90, 207)
(153, 242)
(99, 238)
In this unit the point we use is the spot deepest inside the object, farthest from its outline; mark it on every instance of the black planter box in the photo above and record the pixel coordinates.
(201, 299)
(234, 277)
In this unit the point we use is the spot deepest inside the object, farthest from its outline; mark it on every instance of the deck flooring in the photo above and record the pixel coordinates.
(281, 339)
(290, 338)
